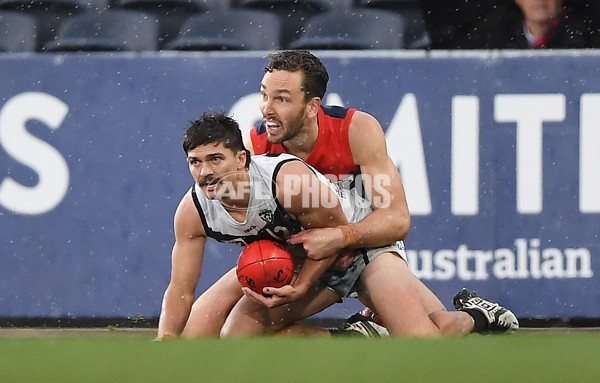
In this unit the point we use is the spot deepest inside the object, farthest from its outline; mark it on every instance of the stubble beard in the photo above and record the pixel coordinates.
(292, 130)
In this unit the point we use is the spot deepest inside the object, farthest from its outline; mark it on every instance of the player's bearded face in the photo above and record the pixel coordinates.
(283, 105)
(290, 128)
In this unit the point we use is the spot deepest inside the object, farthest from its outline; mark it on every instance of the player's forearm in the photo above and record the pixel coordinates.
(311, 271)
(171, 324)
(380, 228)
(174, 313)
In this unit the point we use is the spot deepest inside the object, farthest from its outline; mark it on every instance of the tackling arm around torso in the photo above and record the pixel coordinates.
(314, 205)
(390, 219)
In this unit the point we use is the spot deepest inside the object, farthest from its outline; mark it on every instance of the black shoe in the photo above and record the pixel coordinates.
(359, 324)
(461, 297)
(499, 319)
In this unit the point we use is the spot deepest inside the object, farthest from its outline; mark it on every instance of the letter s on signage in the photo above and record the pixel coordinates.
(33, 152)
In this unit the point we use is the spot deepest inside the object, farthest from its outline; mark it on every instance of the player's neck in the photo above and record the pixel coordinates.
(237, 209)
(236, 198)
(304, 142)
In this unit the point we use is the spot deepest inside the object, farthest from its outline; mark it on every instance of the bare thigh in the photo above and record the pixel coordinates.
(212, 307)
(249, 317)
(401, 299)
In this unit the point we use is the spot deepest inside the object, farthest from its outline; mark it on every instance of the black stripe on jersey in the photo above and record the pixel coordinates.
(292, 224)
(356, 177)
(261, 129)
(207, 229)
(335, 111)
(217, 235)
(276, 171)
(278, 168)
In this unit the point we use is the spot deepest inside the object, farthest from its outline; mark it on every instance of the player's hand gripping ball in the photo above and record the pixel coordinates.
(263, 264)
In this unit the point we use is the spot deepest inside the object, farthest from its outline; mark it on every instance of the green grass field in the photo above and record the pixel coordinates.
(121, 357)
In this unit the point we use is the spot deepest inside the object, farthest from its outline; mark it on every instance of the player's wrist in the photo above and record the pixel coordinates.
(349, 235)
(301, 288)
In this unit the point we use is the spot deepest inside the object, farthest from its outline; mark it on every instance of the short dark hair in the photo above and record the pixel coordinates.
(214, 128)
(315, 73)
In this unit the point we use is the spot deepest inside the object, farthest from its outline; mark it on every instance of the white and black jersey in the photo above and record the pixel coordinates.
(265, 216)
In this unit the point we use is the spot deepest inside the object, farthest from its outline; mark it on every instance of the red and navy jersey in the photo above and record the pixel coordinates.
(331, 154)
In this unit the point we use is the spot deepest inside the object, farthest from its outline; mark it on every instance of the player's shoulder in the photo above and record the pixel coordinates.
(273, 163)
(364, 117)
(279, 161)
(364, 128)
(186, 205)
(364, 125)
(186, 215)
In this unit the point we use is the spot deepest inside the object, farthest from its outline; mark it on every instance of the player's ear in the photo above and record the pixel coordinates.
(312, 107)
(243, 159)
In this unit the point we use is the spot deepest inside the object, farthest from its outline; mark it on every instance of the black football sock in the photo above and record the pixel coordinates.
(480, 321)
